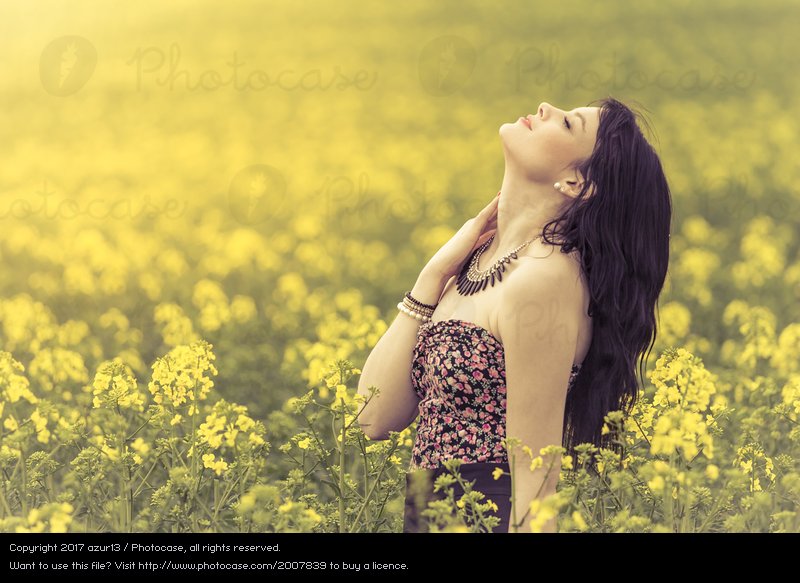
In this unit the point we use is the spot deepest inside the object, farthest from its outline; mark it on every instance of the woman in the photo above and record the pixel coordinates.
(509, 338)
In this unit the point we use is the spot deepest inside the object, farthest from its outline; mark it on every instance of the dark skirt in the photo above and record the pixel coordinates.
(419, 491)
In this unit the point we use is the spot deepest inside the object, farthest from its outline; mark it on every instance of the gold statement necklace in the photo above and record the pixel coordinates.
(472, 280)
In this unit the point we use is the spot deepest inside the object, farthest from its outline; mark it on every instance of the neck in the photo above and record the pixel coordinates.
(523, 210)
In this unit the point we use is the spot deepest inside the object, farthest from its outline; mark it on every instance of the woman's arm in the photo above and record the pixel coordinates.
(388, 367)
(539, 324)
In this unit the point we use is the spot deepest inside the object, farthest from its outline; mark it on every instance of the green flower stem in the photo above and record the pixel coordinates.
(669, 508)
(5, 503)
(24, 497)
(49, 455)
(539, 491)
(228, 490)
(194, 479)
(367, 489)
(21, 465)
(374, 485)
(144, 480)
(514, 524)
(204, 508)
(320, 443)
(214, 499)
(126, 501)
(610, 491)
(712, 513)
(142, 426)
(176, 455)
(473, 514)
(342, 527)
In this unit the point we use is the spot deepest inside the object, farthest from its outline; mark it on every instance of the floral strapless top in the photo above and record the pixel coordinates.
(459, 374)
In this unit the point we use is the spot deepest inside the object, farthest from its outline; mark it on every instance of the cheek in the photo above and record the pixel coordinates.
(549, 147)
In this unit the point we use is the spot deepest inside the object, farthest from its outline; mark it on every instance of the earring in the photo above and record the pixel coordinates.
(558, 186)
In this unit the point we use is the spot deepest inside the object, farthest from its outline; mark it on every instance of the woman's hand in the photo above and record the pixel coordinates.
(449, 260)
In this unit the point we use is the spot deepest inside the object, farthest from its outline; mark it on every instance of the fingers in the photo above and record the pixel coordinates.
(488, 213)
(489, 208)
(483, 238)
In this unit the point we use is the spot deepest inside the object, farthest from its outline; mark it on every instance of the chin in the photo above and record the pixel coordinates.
(507, 131)
(511, 140)
(503, 128)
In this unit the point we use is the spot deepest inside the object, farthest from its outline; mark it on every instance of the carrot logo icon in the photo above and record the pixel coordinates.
(257, 193)
(68, 59)
(66, 65)
(445, 64)
(258, 188)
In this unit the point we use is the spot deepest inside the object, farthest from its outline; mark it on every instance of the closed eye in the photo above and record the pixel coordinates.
(566, 123)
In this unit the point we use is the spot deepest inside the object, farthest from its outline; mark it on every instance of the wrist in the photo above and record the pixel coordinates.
(433, 275)
(429, 286)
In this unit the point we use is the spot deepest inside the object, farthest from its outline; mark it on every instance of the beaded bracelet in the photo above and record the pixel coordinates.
(416, 315)
(416, 309)
(417, 302)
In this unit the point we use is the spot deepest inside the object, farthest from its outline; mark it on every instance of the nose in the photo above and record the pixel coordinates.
(544, 109)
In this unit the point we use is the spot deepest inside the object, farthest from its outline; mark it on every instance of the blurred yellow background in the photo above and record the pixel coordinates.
(271, 176)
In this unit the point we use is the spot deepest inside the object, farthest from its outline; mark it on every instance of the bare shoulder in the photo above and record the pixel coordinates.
(540, 273)
(540, 289)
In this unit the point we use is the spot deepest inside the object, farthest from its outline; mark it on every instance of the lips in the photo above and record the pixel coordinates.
(527, 122)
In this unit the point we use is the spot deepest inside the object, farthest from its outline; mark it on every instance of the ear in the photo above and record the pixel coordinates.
(575, 184)
(590, 191)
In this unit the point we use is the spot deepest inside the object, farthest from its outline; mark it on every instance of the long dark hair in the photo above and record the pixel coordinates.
(621, 229)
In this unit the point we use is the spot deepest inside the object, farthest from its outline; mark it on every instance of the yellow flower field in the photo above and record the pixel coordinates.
(209, 213)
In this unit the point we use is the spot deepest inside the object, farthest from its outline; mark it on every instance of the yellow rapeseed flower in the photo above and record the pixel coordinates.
(245, 423)
(140, 445)
(580, 523)
(40, 425)
(211, 430)
(13, 385)
(10, 423)
(210, 462)
(182, 375)
(115, 386)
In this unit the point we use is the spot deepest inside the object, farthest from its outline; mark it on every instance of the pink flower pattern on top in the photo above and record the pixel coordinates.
(459, 374)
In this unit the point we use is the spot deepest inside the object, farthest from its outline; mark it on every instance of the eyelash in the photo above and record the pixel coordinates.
(566, 123)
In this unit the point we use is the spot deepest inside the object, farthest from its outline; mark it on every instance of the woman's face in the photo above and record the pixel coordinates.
(555, 140)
